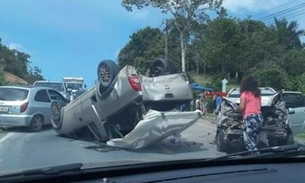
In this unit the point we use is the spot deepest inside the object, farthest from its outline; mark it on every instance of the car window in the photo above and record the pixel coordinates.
(74, 86)
(13, 94)
(42, 96)
(56, 86)
(293, 100)
(55, 95)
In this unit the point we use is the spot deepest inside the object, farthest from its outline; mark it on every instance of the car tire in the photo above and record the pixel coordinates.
(106, 73)
(222, 146)
(158, 67)
(288, 140)
(36, 123)
(56, 115)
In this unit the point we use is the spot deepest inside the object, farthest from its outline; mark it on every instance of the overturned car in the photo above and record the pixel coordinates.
(123, 101)
(276, 128)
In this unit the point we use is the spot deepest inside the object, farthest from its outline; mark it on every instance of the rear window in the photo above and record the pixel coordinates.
(264, 92)
(55, 86)
(13, 94)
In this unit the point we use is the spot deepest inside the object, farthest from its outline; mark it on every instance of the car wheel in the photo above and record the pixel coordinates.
(106, 73)
(158, 67)
(222, 146)
(288, 140)
(36, 123)
(56, 114)
(237, 145)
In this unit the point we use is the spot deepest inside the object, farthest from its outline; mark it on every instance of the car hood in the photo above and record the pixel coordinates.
(266, 100)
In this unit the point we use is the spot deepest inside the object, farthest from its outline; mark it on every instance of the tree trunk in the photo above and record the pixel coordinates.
(183, 50)
(166, 41)
(204, 68)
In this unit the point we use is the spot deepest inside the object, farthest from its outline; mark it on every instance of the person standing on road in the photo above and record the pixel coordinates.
(203, 102)
(250, 106)
(218, 103)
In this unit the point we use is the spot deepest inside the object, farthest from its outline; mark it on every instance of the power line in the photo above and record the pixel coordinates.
(283, 12)
(262, 12)
(297, 15)
(286, 16)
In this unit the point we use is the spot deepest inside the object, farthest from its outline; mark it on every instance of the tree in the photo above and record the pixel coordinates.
(270, 74)
(287, 33)
(144, 45)
(185, 12)
(17, 63)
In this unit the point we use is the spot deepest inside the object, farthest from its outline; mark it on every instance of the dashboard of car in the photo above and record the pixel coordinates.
(262, 171)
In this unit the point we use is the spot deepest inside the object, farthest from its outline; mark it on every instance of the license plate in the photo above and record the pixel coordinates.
(3, 109)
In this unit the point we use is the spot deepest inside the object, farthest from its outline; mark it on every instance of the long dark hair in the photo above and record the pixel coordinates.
(250, 84)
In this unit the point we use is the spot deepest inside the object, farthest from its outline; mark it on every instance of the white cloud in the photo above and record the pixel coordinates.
(15, 46)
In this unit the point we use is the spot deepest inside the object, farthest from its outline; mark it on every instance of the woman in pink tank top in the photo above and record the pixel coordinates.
(250, 106)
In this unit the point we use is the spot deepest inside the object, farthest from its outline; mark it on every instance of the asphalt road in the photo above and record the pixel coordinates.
(23, 150)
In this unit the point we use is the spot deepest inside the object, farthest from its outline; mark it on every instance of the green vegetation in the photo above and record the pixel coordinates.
(17, 63)
(223, 47)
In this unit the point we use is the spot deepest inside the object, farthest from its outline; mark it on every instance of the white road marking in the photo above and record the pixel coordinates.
(6, 137)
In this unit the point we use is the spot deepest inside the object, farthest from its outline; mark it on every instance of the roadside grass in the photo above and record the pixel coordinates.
(210, 116)
(300, 136)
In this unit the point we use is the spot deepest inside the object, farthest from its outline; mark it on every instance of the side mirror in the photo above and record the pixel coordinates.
(291, 111)
(85, 86)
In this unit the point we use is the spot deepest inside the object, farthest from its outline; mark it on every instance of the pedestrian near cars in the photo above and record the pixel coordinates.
(250, 106)
(203, 102)
(218, 102)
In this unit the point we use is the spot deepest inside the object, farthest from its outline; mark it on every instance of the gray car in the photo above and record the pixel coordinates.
(56, 85)
(27, 106)
(113, 107)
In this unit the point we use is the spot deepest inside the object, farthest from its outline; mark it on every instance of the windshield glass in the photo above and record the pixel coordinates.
(156, 75)
(74, 86)
(56, 86)
(13, 94)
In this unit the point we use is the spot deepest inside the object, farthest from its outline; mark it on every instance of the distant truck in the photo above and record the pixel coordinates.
(74, 84)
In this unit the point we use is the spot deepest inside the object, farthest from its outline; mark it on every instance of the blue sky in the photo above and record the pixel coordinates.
(70, 37)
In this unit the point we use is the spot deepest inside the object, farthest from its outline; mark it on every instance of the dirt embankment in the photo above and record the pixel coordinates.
(11, 78)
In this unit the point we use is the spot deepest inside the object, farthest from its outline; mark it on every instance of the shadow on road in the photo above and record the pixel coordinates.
(25, 130)
(163, 147)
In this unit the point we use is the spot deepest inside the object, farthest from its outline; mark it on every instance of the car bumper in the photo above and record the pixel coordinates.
(15, 120)
(270, 132)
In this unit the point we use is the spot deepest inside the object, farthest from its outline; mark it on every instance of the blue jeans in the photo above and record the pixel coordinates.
(251, 132)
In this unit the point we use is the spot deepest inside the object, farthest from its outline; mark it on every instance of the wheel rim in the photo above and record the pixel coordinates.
(56, 111)
(37, 123)
(104, 75)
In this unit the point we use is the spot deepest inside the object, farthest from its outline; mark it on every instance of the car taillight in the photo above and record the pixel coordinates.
(24, 106)
(134, 82)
